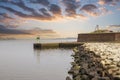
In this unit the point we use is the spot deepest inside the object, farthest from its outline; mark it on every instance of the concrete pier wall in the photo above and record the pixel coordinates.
(99, 37)
(56, 45)
(117, 37)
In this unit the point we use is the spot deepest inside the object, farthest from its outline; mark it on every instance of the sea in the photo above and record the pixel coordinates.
(20, 61)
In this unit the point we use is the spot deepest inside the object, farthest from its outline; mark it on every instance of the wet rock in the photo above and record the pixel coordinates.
(68, 78)
(73, 63)
(71, 71)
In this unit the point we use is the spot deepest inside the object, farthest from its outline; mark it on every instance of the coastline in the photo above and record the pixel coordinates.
(96, 61)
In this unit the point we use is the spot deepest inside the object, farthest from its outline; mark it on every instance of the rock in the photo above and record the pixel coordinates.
(68, 78)
(71, 71)
(103, 63)
(76, 50)
(118, 73)
(103, 78)
(118, 64)
(111, 66)
(76, 67)
(110, 71)
(115, 69)
(91, 77)
(96, 61)
(108, 62)
(77, 77)
(85, 65)
(82, 71)
(73, 63)
(116, 77)
(93, 73)
(95, 78)
(84, 77)
(101, 73)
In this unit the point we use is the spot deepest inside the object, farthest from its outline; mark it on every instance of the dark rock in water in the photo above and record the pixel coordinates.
(68, 78)
(73, 63)
(75, 75)
(71, 71)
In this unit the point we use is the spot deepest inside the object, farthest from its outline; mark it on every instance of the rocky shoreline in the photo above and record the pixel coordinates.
(96, 61)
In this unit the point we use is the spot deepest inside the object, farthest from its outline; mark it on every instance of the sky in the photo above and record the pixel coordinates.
(56, 18)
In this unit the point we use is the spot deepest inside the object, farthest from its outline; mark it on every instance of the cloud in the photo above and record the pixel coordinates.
(48, 11)
(22, 5)
(14, 11)
(111, 2)
(118, 8)
(44, 12)
(55, 9)
(115, 28)
(46, 33)
(6, 30)
(35, 15)
(5, 15)
(5, 0)
(10, 21)
(43, 2)
(36, 31)
(104, 11)
(90, 9)
(71, 6)
(82, 16)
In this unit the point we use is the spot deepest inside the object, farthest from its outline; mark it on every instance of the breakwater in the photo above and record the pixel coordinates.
(96, 61)
(56, 45)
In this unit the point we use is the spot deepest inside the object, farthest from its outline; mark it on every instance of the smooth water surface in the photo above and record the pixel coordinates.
(19, 61)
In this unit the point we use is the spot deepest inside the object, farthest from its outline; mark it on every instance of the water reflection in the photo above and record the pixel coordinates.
(37, 55)
(22, 62)
(48, 53)
(54, 63)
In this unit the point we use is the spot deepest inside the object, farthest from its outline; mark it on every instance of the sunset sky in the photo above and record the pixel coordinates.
(56, 18)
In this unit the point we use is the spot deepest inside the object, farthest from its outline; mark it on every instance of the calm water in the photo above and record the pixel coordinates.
(19, 61)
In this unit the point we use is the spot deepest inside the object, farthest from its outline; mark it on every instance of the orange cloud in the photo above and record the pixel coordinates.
(110, 2)
(16, 33)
